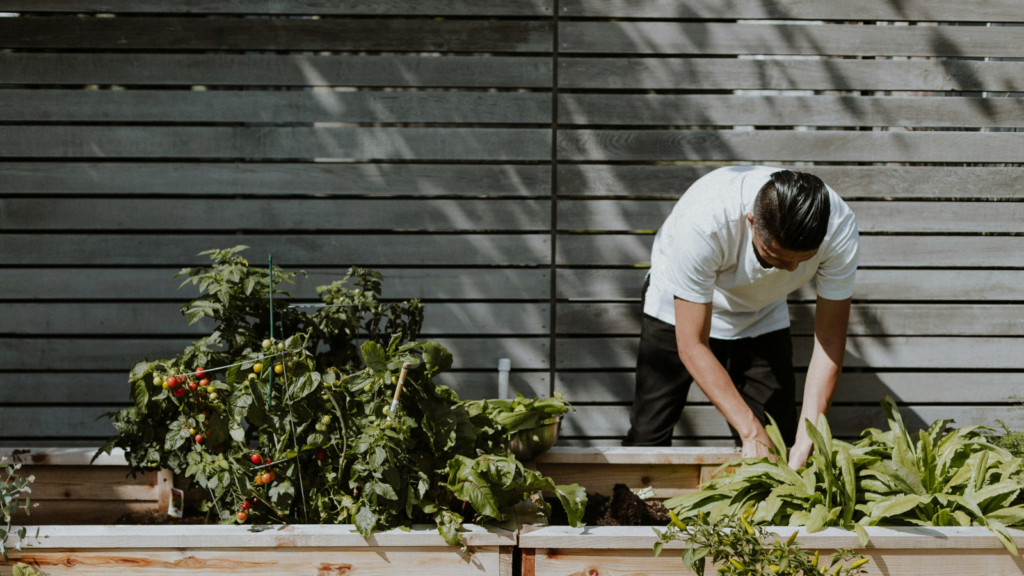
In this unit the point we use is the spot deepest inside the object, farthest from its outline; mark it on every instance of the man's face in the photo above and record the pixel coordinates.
(776, 256)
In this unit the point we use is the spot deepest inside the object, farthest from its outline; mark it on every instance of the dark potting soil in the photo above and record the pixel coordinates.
(624, 508)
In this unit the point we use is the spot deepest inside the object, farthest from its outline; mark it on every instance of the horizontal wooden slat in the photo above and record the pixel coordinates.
(865, 319)
(342, 7)
(861, 351)
(63, 484)
(118, 354)
(54, 422)
(82, 512)
(54, 388)
(989, 11)
(291, 251)
(845, 421)
(273, 70)
(919, 217)
(818, 40)
(850, 181)
(887, 251)
(666, 480)
(719, 109)
(159, 284)
(830, 146)
(712, 73)
(270, 143)
(258, 215)
(165, 319)
(320, 105)
(906, 285)
(854, 387)
(172, 33)
(280, 179)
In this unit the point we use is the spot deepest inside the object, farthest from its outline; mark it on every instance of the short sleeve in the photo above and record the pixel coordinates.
(835, 276)
(692, 260)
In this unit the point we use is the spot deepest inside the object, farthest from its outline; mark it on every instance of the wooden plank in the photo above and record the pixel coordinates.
(297, 7)
(712, 38)
(159, 284)
(992, 11)
(60, 388)
(872, 216)
(274, 179)
(887, 251)
(78, 512)
(854, 387)
(174, 33)
(292, 250)
(846, 421)
(957, 353)
(263, 215)
(852, 182)
(635, 455)
(727, 73)
(279, 142)
(118, 354)
(893, 285)
(55, 423)
(278, 537)
(320, 105)
(63, 456)
(830, 146)
(165, 319)
(865, 319)
(273, 70)
(667, 480)
(75, 483)
(731, 110)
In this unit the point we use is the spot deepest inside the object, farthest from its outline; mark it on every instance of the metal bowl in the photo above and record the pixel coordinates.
(532, 442)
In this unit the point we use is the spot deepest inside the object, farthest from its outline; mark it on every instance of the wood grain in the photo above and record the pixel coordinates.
(667, 480)
(273, 70)
(343, 7)
(727, 73)
(272, 179)
(824, 146)
(714, 38)
(173, 33)
(731, 110)
(994, 11)
(274, 143)
(71, 483)
(321, 105)
(852, 182)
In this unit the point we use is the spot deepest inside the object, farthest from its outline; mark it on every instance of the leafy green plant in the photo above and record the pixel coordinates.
(13, 487)
(301, 429)
(740, 549)
(948, 477)
(512, 416)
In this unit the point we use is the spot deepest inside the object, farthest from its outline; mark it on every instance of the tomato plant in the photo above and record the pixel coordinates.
(316, 441)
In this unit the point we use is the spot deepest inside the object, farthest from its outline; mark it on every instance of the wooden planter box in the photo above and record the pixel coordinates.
(70, 490)
(913, 551)
(306, 550)
(670, 471)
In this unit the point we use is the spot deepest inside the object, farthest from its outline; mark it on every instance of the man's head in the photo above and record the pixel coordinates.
(790, 219)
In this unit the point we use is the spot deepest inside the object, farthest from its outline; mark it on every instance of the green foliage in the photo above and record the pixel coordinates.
(948, 477)
(22, 569)
(1010, 440)
(336, 453)
(13, 487)
(740, 549)
(523, 413)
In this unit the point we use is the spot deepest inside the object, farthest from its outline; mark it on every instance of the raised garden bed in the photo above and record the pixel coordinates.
(280, 550)
(911, 551)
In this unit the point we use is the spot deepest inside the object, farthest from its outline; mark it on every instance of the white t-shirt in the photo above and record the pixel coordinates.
(704, 253)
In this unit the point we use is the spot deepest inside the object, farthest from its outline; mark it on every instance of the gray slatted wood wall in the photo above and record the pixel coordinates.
(509, 163)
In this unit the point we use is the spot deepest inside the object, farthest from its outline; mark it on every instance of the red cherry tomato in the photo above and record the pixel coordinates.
(172, 382)
(257, 459)
(242, 517)
(321, 455)
(200, 372)
(204, 382)
(179, 392)
(267, 478)
(245, 505)
(199, 438)
(193, 386)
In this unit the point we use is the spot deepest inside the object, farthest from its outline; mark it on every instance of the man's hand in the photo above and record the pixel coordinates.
(800, 452)
(757, 445)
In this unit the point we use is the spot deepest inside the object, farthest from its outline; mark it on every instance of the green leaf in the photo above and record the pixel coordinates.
(366, 520)
(375, 357)
(574, 501)
(437, 358)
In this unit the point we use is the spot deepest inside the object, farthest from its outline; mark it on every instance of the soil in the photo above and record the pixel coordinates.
(624, 508)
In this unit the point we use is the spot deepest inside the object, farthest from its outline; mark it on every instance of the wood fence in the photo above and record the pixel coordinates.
(508, 162)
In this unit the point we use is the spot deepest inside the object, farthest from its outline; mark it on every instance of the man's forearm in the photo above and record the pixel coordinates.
(820, 384)
(716, 384)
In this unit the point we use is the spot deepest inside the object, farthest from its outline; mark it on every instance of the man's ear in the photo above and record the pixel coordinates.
(750, 220)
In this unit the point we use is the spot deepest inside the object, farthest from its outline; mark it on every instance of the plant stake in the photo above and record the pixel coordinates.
(398, 390)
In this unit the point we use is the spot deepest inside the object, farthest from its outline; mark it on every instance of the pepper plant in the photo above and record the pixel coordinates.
(300, 429)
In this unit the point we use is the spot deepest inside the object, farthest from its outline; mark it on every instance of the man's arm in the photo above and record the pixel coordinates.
(831, 318)
(693, 330)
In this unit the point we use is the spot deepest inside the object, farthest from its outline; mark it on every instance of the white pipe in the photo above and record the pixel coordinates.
(504, 366)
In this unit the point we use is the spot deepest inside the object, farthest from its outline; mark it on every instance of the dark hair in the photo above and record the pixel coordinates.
(793, 210)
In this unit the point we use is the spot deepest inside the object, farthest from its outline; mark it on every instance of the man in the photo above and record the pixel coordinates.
(737, 243)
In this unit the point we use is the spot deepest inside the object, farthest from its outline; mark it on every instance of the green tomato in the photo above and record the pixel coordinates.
(280, 345)
(325, 420)
(213, 395)
(266, 344)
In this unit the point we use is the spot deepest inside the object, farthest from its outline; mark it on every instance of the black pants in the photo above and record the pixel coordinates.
(761, 368)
